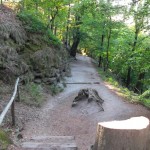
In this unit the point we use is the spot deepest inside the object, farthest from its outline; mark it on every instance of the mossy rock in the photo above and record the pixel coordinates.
(4, 140)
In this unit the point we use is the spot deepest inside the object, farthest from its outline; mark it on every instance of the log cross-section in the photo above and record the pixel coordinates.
(131, 134)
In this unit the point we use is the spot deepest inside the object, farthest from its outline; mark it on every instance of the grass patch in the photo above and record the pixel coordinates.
(4, 140)
(123, 91)
(34, 25)
(31, 23)
(51, 38)
(55, 89)
(31, 94)
(145, 98)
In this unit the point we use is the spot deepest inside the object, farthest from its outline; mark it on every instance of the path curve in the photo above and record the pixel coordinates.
(57, 117)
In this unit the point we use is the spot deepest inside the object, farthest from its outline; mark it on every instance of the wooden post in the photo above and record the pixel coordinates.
(131, 134)
(10, 104)
(13, 113)
(18, 91)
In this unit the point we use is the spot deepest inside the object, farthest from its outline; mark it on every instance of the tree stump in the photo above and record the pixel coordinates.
(131, 134)
(90, 95)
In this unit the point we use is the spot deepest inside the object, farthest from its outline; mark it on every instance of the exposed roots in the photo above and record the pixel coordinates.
(90, 95)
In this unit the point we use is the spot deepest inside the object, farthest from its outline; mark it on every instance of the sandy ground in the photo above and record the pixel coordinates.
(57, 117)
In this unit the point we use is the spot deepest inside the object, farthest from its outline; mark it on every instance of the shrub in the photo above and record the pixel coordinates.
(146, 94)
(31, 23)
(55, 89)
(34, 25)
(4, 140)
(31, 94)
(145, 98)
(52, 38)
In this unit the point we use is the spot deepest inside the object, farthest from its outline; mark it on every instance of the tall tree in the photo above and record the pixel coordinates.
(139, 10)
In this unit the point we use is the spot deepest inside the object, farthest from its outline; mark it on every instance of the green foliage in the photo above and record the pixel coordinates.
(31, 94)
(102, 35)
(146, 95)
(51, 38)
(145, 98)
(112, 80)
(123, 91)
(55, 89)
(4, 140)
(32, 24)
(123, 45)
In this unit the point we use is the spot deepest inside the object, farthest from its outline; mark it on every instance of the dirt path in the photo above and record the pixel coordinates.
(57, 117)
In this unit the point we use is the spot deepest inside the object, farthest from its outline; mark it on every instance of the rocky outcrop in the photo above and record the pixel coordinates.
(11, 65)
(49, 67)
(27, 54)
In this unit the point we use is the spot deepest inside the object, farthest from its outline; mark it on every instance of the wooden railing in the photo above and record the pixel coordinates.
(11, 104)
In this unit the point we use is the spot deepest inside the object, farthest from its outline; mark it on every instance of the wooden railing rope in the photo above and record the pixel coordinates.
(10, 104)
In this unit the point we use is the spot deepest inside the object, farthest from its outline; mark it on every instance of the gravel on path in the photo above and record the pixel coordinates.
(57, 117)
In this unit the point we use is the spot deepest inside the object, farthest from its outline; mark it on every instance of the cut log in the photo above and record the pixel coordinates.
(131, 134)
(90, 95)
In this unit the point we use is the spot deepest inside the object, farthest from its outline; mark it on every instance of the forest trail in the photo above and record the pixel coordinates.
(58, 118)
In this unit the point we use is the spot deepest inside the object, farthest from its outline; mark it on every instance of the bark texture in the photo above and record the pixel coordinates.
(131, 134)
(90, 95)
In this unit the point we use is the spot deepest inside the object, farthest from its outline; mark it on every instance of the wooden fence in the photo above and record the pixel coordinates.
(11, 104)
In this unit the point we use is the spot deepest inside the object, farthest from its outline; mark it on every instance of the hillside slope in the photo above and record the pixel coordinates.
(29, 51)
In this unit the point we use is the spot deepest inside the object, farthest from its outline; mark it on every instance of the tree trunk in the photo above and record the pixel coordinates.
(128, 77)
(55, 31)
(108, 45)
(133, 49)
(139, 84)
(131, 134)
(51, 19)
(102, 44)
(67, 29)
(74, 47)
(48, 18)
(100, 61)
(52, 24)
(76, 38)
(90, 95)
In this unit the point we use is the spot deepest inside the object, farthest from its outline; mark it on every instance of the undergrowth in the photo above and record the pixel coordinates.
(33, 25)
(145, 98)
(123, 91)
(4, 140)
(55, 89)
(31, 94)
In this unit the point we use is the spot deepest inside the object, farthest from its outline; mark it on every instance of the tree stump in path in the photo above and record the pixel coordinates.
(90, 95)
(131, 134)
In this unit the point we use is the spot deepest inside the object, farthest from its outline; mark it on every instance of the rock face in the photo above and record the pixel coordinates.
(11, 64)
(27, 55)
(49, 66)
